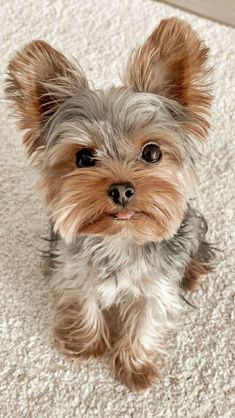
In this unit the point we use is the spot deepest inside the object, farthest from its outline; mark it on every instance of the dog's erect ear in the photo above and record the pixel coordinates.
(39, 79)
(172, 63)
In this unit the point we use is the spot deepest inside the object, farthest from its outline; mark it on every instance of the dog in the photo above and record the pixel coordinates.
(117, 172)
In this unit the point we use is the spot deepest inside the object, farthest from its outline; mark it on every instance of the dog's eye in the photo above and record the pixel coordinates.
(85, 158)
(151, 153)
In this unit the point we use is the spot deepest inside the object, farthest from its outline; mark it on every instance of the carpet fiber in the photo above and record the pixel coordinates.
(36, 380)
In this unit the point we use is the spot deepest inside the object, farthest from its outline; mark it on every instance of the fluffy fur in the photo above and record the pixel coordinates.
(124, 262)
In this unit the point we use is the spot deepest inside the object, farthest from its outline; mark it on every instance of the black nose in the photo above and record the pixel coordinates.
(121, 193)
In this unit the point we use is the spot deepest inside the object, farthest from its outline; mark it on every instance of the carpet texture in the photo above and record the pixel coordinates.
(36, 380)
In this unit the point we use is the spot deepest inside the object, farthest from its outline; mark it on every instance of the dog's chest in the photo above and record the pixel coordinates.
(118, 270)
(123, 270)
(122, 281)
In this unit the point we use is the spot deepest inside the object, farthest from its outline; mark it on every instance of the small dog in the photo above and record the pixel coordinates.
(117, 169)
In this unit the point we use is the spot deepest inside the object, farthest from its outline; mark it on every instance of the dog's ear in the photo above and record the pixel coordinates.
(39, 79)
(172, 63)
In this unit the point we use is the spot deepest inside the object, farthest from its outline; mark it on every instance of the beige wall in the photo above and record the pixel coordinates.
(222, 11)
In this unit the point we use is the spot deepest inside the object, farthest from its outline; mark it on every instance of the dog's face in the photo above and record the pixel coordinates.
(121, 160)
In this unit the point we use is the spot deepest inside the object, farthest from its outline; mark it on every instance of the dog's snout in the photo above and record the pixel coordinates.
(121, 193)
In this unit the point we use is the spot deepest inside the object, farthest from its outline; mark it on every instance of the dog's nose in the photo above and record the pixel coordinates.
(121, 193)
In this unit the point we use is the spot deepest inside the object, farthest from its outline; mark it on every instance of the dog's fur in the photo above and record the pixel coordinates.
(138, 258)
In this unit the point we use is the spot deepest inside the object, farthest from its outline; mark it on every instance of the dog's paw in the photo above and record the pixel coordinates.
(77, 347)
(137, 376)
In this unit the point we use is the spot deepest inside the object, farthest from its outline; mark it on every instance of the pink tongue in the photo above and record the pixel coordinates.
(124, 214)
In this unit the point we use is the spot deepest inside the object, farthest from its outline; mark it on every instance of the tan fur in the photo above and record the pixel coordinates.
(194, 273)
(172, 62)
(136, 376)
(29, 75)
(70, 195)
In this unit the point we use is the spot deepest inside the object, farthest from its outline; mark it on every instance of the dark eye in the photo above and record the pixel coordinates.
(85, 158)
(151, 153)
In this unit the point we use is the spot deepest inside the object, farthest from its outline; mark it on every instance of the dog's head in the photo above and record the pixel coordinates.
(119, 160)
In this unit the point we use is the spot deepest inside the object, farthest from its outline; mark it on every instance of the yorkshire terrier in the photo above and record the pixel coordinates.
(117, 171)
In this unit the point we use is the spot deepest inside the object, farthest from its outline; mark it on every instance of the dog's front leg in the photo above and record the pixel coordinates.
(134, 353)
(80, 329)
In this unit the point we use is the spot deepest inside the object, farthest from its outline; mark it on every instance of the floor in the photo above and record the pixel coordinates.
(36, 381)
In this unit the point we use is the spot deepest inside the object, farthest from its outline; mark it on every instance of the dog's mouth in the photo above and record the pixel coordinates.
(123, 215)
(138, 222)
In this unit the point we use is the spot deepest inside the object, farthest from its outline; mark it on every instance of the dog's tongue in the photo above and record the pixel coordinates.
(124, 214)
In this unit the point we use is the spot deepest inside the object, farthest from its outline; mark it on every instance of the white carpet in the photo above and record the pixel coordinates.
(36, 380)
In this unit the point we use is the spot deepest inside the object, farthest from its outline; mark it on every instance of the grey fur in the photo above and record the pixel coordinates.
(165, 257)
(110, 117)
